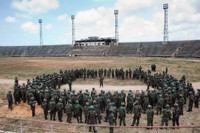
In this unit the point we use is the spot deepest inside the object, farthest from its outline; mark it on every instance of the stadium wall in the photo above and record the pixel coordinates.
(145, 49)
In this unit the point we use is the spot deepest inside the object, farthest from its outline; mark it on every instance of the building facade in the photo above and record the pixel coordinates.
(95, 41)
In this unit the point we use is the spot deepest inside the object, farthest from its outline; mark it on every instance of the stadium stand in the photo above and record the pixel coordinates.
(150, 49)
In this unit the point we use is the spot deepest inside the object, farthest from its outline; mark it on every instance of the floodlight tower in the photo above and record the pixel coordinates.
(116, 12)
(41, 38)
(165, 37)
(73, 29)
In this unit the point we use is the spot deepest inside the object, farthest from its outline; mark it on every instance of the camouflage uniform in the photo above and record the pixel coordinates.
(122, 114)
(10, 100)
(166, 115)
(59, 107)
(92, 118)
(52, 106)
(68, 110)
(137, 113)
(176, 115)
(150, 114)
(45, 108)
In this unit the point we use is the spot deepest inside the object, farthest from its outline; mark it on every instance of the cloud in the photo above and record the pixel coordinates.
(134, 25)
(10, 19)
(35, 6)
(30, 27)
(62, 17)
(48, 26)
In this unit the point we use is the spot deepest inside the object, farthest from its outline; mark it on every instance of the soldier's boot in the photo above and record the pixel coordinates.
(81, 120)
(99, 120)
(89, 129)
(94, 130)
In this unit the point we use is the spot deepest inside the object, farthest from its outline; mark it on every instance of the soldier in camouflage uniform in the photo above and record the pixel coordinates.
(160, 104)
(181, 103)
(45, 108)
(191, 100)
(92, 118)
(166, 115)
(150, 114)
(33, 103)
(86, 111)
(68, 110)
(10, 99)
(52, 106)
(122, 114)
(137, 109)
(176, 115)
(59, 108)
(196, 100)
(111, 120)
(101, 81)
(78, 111)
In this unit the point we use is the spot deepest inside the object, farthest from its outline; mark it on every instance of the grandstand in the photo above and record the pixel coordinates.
(146, 49)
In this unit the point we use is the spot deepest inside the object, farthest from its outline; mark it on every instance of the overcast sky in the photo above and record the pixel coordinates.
(139, 20)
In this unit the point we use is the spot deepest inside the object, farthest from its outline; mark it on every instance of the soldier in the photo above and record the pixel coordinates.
(160, 104)
(111, 120)
(52, 106)
(23, 91)
(191, 100)
(16, 94)
(69, 81)
(101, 81)
(196, 100)
(68, 110)
(166, 70)
(176, 115)
(150, 114)
(59, 107)
(78, 111)
(122, 114)
(181, 103)
(137, 113)
(45, 108)
(10, 99)
(86, 111)
(92, 118)
(153, 67)
(166, 115)
(33, 103)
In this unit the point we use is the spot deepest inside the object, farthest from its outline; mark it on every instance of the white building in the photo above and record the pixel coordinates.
(95, 41)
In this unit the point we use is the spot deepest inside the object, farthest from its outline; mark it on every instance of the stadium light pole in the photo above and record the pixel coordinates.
(165, 36)
(116, 12)
(41, 37)
(73, 29)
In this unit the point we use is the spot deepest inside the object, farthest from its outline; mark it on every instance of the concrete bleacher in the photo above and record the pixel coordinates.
(149, 49)
(90, 51)
(35, 51)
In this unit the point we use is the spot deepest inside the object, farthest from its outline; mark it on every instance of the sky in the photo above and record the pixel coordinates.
(139, 20)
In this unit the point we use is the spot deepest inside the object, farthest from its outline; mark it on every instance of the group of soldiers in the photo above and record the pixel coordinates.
(167, 98)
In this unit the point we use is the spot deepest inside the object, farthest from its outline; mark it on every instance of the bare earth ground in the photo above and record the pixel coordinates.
(30, 67)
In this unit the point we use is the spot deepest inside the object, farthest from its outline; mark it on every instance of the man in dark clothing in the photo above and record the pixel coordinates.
(92, 118)
(33, 103)
(45, 108)
(10, 99)
(101, 81)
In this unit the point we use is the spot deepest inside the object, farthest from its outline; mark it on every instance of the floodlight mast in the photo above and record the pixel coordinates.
(41, 37)
(73, 30)
(165, 36)
(116, 12)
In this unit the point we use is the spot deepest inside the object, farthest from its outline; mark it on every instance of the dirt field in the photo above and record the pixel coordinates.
(25, 68)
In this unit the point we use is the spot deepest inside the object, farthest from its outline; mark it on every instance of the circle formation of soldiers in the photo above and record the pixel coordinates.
(168, 97)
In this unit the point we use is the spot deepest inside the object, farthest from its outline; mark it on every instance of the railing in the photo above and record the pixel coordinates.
(84, 126)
